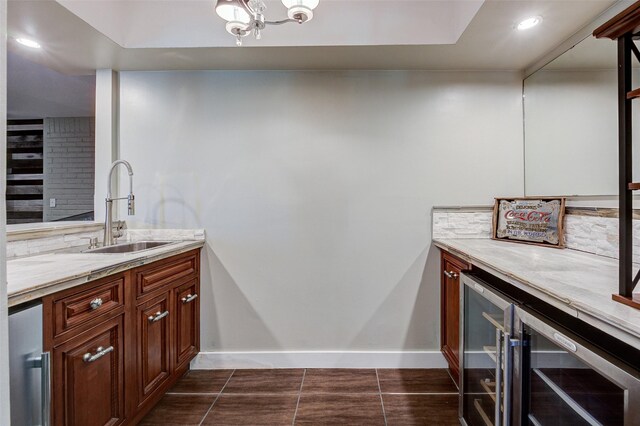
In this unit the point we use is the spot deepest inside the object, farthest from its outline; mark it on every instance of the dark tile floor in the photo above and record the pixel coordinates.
(309, 397)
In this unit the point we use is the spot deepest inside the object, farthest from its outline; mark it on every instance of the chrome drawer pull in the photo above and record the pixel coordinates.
(189, 298)
(100, 352)
(158, 316)
(451, 274)
(95, 303)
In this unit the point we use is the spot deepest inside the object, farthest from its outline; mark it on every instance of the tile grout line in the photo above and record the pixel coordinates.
(295, 413)
(384, 413)
(275, 393)
(426, 393)
(216, 399)
(454, 382)
(191, 393)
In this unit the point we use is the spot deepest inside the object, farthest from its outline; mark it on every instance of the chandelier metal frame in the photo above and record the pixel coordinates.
(299, 12)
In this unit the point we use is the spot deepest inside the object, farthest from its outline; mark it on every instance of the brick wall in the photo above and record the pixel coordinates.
(69, 151)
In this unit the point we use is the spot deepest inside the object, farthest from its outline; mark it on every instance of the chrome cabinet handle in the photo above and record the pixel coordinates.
(189, 298)
(158, 316)
(451, 274)
(95, 303)
(100, 352)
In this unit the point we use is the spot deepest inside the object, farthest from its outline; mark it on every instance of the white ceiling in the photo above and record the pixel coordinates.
(35, 91)
(193, 23)
(490, 42)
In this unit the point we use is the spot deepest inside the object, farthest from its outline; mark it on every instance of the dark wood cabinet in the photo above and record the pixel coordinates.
(153, 345)
(451, 267)
(187, 318)
(88, 377)
(120, 342)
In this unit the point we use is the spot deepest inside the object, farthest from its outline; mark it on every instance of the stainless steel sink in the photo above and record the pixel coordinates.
(130, 247)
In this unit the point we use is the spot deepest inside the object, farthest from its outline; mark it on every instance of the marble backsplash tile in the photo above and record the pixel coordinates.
(591, 234)
(164, 234)
(78, 240)
(31, 247)
(462, 224)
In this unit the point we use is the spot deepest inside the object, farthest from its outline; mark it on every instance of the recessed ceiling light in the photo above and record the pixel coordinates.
(527, 23)
(28, 42)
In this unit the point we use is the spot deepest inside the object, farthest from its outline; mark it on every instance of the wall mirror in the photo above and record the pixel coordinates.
(571, 123)
(50, 140)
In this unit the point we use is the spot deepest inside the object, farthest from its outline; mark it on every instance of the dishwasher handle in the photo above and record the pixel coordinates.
(43, 362)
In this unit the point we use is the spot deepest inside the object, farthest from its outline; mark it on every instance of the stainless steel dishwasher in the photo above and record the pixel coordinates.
(30, 377)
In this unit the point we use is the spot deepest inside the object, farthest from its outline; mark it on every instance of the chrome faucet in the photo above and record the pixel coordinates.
(108, 220)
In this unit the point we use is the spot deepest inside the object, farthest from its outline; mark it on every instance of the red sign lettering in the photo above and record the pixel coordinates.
(528, 216)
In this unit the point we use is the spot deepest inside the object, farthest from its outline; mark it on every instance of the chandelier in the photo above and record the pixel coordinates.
(246, 17)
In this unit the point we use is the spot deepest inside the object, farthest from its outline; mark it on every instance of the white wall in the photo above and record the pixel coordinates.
(4, 330)
(315, 190)
(106, 136)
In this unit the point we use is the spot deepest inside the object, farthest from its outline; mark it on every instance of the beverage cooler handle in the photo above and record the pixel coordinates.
(499, 376)
(45, 389)
(508, 373)
(43, 362)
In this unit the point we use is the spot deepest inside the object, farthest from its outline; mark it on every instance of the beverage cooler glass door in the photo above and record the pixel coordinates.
(486, 320)
(561, 382)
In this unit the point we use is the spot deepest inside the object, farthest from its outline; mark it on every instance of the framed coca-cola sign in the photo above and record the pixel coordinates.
(530, 220)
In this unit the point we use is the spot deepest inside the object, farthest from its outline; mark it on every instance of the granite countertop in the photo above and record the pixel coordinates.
(33, 277)
(580, 284)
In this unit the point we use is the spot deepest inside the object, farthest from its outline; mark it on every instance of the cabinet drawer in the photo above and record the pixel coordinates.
(161, 273)
(72, 309)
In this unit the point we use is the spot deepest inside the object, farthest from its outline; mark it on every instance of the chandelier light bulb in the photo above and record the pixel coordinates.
(236, 28)
(300, 10)
(309, 4)
(300, 14)
(233, 10)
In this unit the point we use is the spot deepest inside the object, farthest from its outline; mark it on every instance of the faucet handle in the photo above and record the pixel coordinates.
(93, 242)
(118, 230)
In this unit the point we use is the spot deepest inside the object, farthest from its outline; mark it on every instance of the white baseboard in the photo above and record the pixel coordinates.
(319, 359)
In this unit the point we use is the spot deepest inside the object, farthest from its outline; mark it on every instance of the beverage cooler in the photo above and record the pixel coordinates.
(518, 368)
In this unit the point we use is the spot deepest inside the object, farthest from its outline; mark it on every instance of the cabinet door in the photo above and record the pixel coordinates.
(450, 335)
(187, 324)
(154, 345)
(88, 379)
